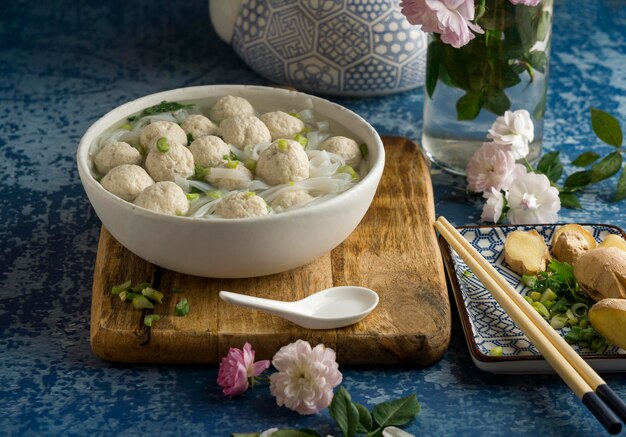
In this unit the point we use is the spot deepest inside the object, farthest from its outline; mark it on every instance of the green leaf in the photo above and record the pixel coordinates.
(538, 60)
(606, 127)
(295, 433)
(578, 180)
(164, 107)
(569, 200)
(345, 413)
(497, 101)
(543, 25)
(433, 61)
(365, 419)
(562, 270)
(468, 106)
(606, 167)
(550, 165)
(584, 159)
(621, 187)
(398, 412)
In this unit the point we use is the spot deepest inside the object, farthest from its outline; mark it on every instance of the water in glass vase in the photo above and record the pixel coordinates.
(503, 68)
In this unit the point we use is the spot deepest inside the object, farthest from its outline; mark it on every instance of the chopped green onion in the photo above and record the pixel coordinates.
(182, 307)
(126, 126)
(302, 140)
(548, 303)
(250, 194)
(189, 138)
(292, 183)
(127, 295)
(177, 290)
(153, 294)
(250, 164)
(468, 274)
(305, 131)
(571, 318)
(348, 170)
(199, 171)
(558, 321)
(535, 295)
(117, 289)
(137, 288)
(295, 114)
(548, 295)
(214, 194)
(232, 164)
(283, 145)
(192, 196)
(496, 351)
(141, 303)
(123, 295)
(364, 150)
(583, 323)
(162, 145)
(230, 157)
(598, 345)
(541, 309)
(151, 318)
(529, 280)
(580, 309)
(528, 299)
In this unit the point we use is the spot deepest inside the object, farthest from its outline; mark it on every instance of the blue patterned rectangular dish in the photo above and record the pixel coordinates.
(486, 325)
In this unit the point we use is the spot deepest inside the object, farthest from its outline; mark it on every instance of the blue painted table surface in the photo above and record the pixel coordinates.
(63, 64)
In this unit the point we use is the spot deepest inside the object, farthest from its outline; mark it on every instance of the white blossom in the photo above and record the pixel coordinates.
(532, 200)
(514, 129)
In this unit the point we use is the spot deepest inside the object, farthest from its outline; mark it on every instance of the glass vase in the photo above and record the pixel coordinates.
(504, 68)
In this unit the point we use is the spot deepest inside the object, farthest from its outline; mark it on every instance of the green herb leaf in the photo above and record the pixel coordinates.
(149, 319)
(365, 419)
(550, 165)
(397, 413)
(182, 307)
(345, 413)
(164, 107)
(621, 187)
(468, 106)
(543, 25)
(569, 200)
(606, 167)
(578, 180)
(584, 159)
(562, 270)
(606, 127)
(497, 101)
(433, 60)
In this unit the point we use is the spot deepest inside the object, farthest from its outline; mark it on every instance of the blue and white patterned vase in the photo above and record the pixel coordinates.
(334, 47)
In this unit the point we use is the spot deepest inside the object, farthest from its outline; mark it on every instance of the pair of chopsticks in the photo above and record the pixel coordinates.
(592, 390)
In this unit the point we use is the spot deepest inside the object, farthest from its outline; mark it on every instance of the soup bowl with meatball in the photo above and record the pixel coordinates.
(230, 181)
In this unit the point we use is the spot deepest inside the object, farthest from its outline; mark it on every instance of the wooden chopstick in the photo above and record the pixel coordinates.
(545, 340)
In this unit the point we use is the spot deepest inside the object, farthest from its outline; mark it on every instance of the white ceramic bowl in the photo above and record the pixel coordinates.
(236, 248)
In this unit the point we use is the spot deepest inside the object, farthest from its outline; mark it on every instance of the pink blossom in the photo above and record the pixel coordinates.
(491, 166)
(492, 211)
(237, 368)
(451, 18)
(526, 2)
(532, 200)
(306, 377)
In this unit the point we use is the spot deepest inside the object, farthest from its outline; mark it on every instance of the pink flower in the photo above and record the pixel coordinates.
(238, 368)
(492, 211)
(514, 129)
(526, 2)
(450, 18)
(532, 200)
(306, 377)
(491, 166)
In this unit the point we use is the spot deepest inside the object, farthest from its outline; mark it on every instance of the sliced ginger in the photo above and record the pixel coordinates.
(608, 317)
(526, 252)
(570, 242)
(613, 240)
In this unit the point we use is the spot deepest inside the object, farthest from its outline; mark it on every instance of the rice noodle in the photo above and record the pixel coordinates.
(229, 173)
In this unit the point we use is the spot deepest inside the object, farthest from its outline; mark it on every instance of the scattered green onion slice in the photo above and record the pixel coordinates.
(126, 126)
(468, 274)
(548, 295)
(250, 194)
(580, 309)
(364, 150)
(535, 295)
(295, 114)
(250, 164)
(541, 309)
(302, 140)
(232, 164)
(283, 145)
(571, 318)
(305, 131)
(153, 294)
(123, 295)
(117, 289)
(292, 183)
(529, 280)
(349, 170)
(141, 303)
(162, 145)
(528, 299)
(199, 171)
(182, 307)
(149, 319)
(496, 351)
(559, 321)
(137, 288)
(214, 194)
(192, 196)
(548, 303)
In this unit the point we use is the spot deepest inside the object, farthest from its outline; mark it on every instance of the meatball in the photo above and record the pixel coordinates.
(241, 205)
(164, 197)
(345, 147)
(291, 199)
(126, 181)
(198, 126)
(161, 129)
(229, 176)
(281, 124)
(230, 106)
(114, 154)
(209, 151)
(282, 162)
(177, 160)
(243, 130)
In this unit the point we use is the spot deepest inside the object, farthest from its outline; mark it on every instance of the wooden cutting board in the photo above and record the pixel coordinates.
(393, 251)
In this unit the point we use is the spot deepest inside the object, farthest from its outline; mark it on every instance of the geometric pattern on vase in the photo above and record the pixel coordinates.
(340, 47)
(491, 325)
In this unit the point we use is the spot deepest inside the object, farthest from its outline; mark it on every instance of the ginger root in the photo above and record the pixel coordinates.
(526, 252)
(601, 273)
(608, 317)
(613, 240)
(570, 242)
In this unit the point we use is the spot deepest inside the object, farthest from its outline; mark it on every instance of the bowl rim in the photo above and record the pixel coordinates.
(208, 91)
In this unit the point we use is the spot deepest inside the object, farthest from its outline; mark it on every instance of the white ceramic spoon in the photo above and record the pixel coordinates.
(327, 309)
